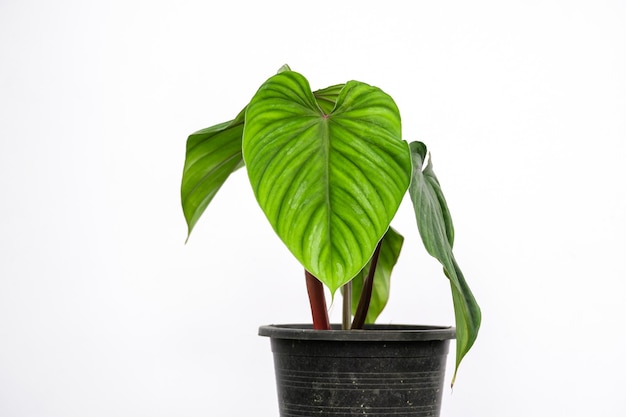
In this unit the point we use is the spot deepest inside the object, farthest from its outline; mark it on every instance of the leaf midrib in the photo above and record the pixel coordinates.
(326, 150)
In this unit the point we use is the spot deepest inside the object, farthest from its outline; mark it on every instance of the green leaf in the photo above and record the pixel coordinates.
(389, 253)
(212, 155)
(327, 97)
(328, 182)
(435, 227)
(283, 68)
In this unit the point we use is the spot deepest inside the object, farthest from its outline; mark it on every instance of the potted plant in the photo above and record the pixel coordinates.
(329, 169)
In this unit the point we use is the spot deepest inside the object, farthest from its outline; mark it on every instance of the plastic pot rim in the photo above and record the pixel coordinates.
(375, 332)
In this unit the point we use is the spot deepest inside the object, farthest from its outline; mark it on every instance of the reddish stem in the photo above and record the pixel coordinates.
(366, 293)
(317, 299)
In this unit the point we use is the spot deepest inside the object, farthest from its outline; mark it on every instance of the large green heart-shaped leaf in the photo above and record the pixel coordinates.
(435, 227)
(389, 253)
(212, 155)
(328, 182)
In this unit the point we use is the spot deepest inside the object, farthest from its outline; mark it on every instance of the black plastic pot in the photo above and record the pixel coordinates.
(394, 370)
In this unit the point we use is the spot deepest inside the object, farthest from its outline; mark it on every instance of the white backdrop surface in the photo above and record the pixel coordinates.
(104, 311)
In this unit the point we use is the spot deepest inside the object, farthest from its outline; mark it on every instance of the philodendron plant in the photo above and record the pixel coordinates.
(329, 169)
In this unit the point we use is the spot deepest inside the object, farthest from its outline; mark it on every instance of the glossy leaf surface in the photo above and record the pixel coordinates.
(437, 233)
(212, 155)
(389, 253)
(328, 182)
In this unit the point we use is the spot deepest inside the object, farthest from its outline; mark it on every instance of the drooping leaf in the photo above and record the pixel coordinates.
(212, 155)
(389, 253)
(329, 183)
(435, 226)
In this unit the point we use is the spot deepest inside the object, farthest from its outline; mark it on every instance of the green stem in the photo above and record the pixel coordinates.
(366, 294)
(347, 306)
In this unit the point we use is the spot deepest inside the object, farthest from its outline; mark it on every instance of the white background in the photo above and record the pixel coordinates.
(104, 311)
